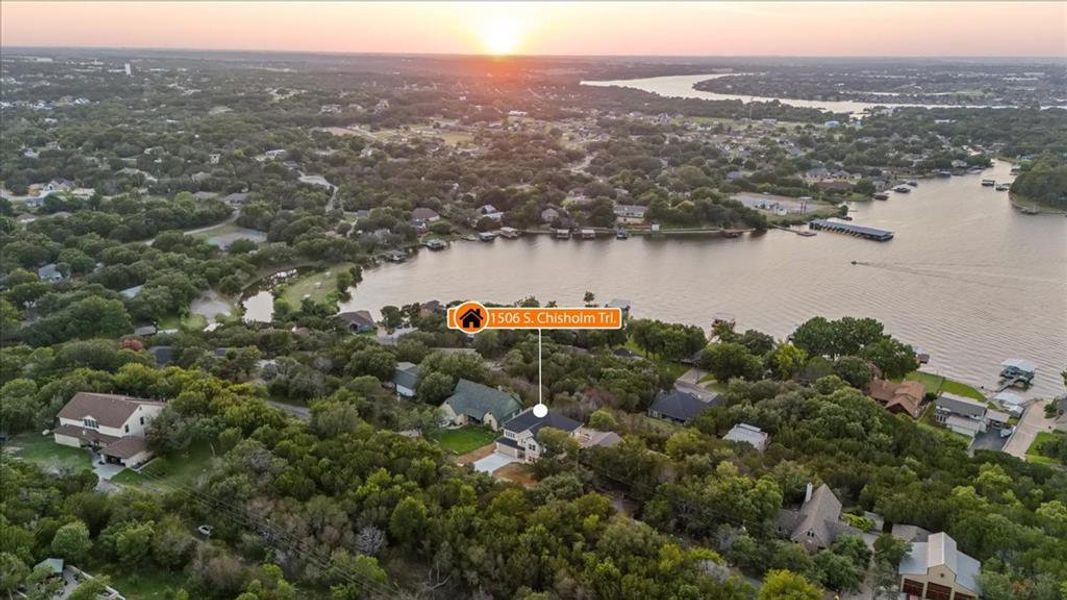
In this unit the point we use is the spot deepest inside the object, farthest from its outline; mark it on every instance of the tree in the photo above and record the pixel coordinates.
(408, 521)
(893, 358)
(727, 360)
(71, 541)
(891, 549)
(13, 572)
(837, 572)
(602, 419)
(787, 360)
(433, 388)
(854, 370)
(91, 589)
(786, 585)
(589, 297)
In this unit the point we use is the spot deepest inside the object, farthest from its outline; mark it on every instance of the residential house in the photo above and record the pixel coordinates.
(131, 292)
(425, 215)
(677, 406)
(490, 211)
(936, 569)
(905, 397)
(549, 215)
(748, 434)
(145, 330)
(431, 307)
(475, 403)
(817, 523)
(358, 321)
(520, 433)
(164, 355)
(50, 273)
(110, 424)
(962, 415)
(405, 377)
(589, 438)
(630, 214)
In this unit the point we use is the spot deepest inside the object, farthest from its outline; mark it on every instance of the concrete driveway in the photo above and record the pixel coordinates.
(1029, 426)
(491, 463)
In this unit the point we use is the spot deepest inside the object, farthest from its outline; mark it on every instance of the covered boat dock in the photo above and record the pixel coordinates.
(871, 233)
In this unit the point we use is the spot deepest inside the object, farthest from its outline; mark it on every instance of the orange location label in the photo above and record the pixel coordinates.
(472, 317)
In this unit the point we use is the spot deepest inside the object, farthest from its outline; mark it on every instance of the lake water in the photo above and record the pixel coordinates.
(681, 86)
(967, 278)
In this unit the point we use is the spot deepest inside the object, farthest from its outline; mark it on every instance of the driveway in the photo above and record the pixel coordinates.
(1029, 426)
(301, 412)
(493, 462)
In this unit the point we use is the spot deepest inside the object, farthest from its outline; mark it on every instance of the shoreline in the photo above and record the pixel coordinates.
(1022, 204)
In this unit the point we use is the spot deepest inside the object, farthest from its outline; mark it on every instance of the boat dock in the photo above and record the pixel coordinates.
(870, 233)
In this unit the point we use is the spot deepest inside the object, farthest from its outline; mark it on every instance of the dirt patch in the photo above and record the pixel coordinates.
(473, 455)
(516, 472)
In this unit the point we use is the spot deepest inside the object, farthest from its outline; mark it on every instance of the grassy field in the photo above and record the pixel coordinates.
(145, 582)
(315, 285)
(464, 439)
(936, 383)
(1032, 454)
(174, 470)
(50, 456)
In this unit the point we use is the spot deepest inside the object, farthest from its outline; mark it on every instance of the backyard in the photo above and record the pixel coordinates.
(316, 285)
(178, 469)
(935, 384)
(464, 439)
(44, 452)
(1033, 453)
(145, 582)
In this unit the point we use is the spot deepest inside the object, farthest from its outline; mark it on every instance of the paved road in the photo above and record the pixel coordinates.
(301, 412)
(1033, 421)
(227, 221)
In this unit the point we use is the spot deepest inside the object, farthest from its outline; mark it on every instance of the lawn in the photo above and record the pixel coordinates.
(712, 384)
(179, 469)
(50, 456)
(1032, 454)
(183, 323)
(675, 369)
(464, 439)
(315, 285)
(935, 384)
(145, 582)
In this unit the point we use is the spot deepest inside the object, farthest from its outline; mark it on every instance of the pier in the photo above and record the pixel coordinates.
(870, 233)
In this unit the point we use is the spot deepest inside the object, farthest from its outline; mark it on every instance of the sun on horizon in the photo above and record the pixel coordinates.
(501, 35)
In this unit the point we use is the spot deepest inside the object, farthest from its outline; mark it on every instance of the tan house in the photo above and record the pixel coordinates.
(474, 403)
(905, 397)
(937, 570)
(110, 424)
(817, 523)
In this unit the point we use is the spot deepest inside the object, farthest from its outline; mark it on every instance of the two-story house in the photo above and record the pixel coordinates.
(962, 415)
(111, 424)
(520, 434)
(936, 569)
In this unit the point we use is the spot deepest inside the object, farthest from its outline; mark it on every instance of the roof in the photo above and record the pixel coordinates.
(998, 416)
(357, 317)
(406, 375)
(55, 565)
(475, 400)
(961, 405)
(940, 549)
(528, 421)
(110, 410)
(910, 533)
(906, 395)
(131, 292)
(748, 434)
(424, 213)
(164, 355)
(963, 423)
(679, 405)
(125, 447)
(84, 434)
(1011, 398)
(819, 514)
(1020, 364)
(595, 437)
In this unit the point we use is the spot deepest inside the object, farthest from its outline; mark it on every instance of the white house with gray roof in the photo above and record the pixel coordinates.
(936, 569)
(960, 414)
(748, 434)
(520, 434)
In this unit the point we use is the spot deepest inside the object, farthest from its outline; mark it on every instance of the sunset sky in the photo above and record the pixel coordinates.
(623, 28)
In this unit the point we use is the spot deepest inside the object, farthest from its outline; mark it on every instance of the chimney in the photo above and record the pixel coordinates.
(807, 492)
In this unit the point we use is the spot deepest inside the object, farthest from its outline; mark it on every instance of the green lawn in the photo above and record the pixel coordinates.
(184, 323)
(464, 439)
(1032, 454)
(316, 285)
(710, 382)
(675, 369)
(936, 383)
(175, 470)
(145, 582)
(50, 456)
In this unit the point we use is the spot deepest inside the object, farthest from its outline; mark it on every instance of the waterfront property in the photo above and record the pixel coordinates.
(520, 434)
(905, 397)
(870, 233)
(1017, 371)
(475, 403)
(358, 321)
(405, 378)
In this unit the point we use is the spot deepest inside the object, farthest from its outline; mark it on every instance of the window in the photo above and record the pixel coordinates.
(960, 596)
(89, 422)
(142, 420)
(938, 592)
(912, 588)
(127, 428)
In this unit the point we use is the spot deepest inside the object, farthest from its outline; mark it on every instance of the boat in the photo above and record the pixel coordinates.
(562, 234)
(622, 234)
(1002, 187)
(944, 173)
(988, 182)
(486, 236)
(509, 233)
(902, 189)
(470, 237)
(436, 244)
(588, 234)
(806, 233)
(912, 183)
(396, 256)
(880, 196)
(1030, 210)
(731, 234)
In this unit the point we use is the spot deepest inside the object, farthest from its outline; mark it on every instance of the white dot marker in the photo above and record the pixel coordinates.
(540, 411)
